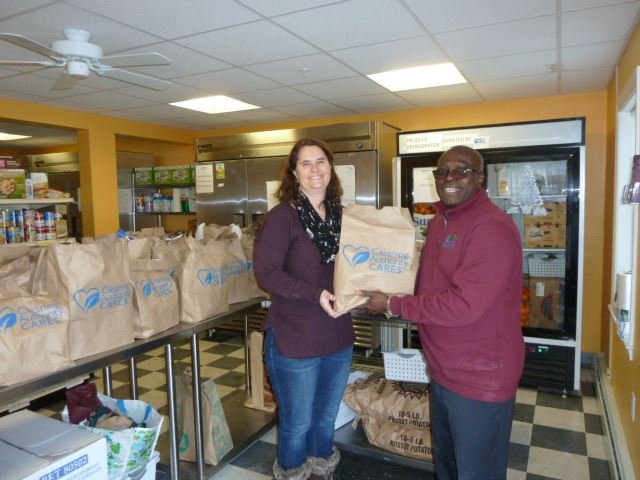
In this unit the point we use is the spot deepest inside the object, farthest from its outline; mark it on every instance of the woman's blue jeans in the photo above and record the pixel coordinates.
(308, 392)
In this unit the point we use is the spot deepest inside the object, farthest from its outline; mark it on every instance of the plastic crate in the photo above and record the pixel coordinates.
(406, 365)
(546, 265)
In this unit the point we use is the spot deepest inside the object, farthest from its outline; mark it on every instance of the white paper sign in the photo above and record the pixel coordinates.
(347, 176)
(204, 178)
(125, 200)
(272, 188)
(424, 185)
(439, 141)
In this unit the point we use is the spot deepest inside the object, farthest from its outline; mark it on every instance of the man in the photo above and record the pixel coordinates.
(467, 309)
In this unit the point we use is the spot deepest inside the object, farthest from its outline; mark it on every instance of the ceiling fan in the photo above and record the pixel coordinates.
(80, 58)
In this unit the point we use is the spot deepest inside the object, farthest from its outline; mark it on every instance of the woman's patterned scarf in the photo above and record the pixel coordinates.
(325, 234)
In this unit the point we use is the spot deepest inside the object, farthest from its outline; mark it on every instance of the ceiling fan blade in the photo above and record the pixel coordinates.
(31, 63)
(133, 78)
(32, 45)
(64, 82)
(136, 60)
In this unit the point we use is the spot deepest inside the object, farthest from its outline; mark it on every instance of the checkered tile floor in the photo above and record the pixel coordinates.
(552, 437)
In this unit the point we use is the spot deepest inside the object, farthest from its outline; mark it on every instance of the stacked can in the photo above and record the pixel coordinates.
(29, 227)
(3, 227)
(38, 218)
(12, 225)
(50, 225)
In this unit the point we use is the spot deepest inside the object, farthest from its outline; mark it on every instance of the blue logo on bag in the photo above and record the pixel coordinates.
(29, 318)
(8, 319)
(147, 290)
(156, 287)
(387, 261)
(356, 255)
(205, 277)
(107, 297)
(87, 299)
(211, 277)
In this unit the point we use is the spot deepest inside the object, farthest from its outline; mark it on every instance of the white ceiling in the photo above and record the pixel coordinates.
(301, 59)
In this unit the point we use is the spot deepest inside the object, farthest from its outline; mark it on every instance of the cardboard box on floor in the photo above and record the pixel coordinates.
(36, 447)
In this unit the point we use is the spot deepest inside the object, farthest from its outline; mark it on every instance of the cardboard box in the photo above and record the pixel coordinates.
(36, 447)
(556, 213)
(546, 297)
(162, 175)
(40, 182)
(13, 162)
(143, 176)
(12, 183)
(181, 175)
(545, 235)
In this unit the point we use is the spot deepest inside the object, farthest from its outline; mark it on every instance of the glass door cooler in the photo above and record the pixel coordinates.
(534, 172)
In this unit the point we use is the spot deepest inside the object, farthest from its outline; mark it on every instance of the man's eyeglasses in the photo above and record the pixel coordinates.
(456, 173)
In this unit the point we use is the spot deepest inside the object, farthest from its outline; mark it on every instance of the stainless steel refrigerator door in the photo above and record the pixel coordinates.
(259, 172)
(228, 202)
(366, 174)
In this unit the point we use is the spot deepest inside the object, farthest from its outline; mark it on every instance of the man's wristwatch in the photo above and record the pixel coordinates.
(387, 312)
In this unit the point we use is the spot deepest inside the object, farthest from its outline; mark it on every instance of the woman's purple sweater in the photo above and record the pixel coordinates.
(288, 265)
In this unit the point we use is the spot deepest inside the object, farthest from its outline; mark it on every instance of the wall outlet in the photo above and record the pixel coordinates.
(633, 406)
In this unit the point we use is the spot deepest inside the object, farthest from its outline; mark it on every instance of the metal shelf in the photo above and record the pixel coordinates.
(16, 396)
(162, 213)
(35, 201)
(156, 186)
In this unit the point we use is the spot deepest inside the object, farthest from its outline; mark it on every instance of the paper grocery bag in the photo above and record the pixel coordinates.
(18, 266)
(94, 282)
(395, 415)
(34, 339)
(247, 240)
(155, 295)
(377, 252)
(202, 283)
(235, 269)
(217, 440)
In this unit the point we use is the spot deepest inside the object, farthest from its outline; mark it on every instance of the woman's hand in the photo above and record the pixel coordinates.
(326, 302)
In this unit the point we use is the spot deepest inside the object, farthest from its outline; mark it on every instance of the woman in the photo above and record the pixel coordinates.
(308, 345)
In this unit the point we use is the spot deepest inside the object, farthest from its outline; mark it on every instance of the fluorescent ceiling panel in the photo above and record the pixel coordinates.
(426, 76)
(215, 104)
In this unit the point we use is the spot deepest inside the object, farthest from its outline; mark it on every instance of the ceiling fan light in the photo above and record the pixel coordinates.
(78, 69)
(78, 49)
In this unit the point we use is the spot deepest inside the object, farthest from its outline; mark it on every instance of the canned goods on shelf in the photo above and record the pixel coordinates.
(14, 235)
(29, 233)
(19, 218)
(11, 218)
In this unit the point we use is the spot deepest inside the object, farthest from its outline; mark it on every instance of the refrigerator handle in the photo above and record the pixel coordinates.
(238, 216)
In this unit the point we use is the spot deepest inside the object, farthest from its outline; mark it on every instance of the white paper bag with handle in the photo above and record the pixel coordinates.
(377, 252)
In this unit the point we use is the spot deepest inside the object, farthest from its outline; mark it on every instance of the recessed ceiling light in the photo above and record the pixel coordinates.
(6, 137)
(215, 104)
(419, 77)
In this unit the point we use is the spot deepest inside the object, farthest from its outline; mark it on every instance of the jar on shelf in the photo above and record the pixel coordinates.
(148, 203)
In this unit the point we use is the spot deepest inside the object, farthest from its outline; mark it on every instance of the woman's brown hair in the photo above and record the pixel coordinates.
(289, 187)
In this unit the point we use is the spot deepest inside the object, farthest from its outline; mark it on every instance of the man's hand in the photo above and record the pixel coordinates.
(377, 303)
